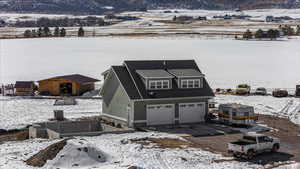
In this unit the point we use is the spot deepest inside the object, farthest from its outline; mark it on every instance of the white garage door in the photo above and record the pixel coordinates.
(160, 114)
(191, 112)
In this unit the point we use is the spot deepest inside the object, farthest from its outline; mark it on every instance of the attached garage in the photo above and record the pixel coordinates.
(160, 114)
(191, 112)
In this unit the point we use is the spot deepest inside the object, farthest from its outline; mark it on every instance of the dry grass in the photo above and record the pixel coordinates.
(164, 142)
(15, 136)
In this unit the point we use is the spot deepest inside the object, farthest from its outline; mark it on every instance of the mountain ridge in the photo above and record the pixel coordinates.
(107, 6)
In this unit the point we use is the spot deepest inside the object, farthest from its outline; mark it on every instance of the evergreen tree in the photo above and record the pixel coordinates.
(80, 32)
(27, 33)
(271, 34)
(247, 35)
(56, 32)
(47, 31)
(63, 32)
(298, 30)
(40, 32)
(33, 32)
(277, 33)
(259, 34)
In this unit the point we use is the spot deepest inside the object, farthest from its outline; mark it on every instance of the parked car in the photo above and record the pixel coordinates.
(243, 89)
(297, 93)
(261, 91)
(280, 93)
(252, 144)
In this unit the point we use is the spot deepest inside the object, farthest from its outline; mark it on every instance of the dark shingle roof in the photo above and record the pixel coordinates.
(77, 78)
(154, 73)
(126, 81)
(24, 84)
(132, 66)
(185, 72)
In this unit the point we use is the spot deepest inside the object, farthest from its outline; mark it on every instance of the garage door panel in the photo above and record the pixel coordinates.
(160, 114)
(191, 112)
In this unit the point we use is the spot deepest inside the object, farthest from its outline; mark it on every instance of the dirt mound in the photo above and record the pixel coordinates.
(49, 153)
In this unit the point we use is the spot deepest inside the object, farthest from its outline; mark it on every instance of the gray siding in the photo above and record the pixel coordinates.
(118, 100)
(110, 88)
(140, 107)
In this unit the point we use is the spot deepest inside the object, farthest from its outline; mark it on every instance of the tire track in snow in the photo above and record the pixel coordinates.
(155, 161)
(162, 162)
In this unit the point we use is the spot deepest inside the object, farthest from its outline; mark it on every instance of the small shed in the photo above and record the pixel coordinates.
(68, 85)
(24, 88)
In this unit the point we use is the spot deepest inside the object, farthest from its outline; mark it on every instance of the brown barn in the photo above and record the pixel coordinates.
(24, 88)
(74, 85)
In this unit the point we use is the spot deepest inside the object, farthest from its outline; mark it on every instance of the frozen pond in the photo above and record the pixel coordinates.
(225, 62)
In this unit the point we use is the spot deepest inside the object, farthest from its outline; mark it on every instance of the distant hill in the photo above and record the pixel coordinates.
(105, 6)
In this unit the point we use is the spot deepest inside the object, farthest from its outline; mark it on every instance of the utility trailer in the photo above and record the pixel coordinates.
(237, 114)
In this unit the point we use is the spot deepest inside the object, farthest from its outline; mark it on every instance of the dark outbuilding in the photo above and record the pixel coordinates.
(24, 88)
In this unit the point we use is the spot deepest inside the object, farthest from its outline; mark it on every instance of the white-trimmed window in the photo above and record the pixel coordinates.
(191, 83)
(159, 84)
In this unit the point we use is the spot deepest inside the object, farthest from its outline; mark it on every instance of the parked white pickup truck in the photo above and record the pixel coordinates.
(252, 144)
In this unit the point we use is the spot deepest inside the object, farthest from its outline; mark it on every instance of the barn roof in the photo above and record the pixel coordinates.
(75, 77)
(24, 84)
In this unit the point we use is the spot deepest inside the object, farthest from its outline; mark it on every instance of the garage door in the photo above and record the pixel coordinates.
(191, 112)
(160, 114)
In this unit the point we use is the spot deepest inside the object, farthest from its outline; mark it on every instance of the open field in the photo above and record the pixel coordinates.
(156, 24)
(226, 63)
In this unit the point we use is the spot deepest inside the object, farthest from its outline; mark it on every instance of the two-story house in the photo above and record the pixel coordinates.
(156, 92)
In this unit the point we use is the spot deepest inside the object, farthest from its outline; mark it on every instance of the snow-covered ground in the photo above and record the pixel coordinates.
(258, 13)
(118, 155)
(150, 22)
(18, 112)
(225, 62)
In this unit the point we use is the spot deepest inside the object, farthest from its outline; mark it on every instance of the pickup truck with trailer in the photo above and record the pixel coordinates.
(253, 143)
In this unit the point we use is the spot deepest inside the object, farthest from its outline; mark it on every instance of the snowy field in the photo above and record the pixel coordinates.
(151, 22)
(225, 62)
(18, 113)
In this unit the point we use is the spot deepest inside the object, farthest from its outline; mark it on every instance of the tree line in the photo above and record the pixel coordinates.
(272, 33)
(62, 22)
(46, 32)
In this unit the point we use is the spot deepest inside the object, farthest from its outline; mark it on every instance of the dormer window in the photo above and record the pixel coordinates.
(191, 83)
(159, 84)
(188, 78)
(156, 79)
